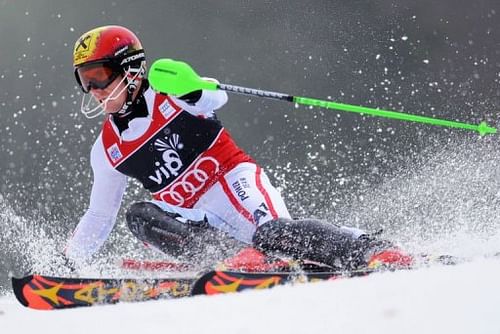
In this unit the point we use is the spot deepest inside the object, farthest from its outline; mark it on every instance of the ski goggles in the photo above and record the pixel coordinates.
(98, 75)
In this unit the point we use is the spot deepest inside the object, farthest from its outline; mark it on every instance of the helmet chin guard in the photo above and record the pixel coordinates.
(91, 108)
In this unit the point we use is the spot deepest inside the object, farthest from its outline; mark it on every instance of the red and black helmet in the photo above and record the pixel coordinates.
(113, 48)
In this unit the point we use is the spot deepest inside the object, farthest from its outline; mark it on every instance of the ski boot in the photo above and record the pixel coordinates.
(390, 259)
(250, 259)
(383, 254)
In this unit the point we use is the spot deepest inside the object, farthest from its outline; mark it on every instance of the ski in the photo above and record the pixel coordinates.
(220, 282)
(48, 293)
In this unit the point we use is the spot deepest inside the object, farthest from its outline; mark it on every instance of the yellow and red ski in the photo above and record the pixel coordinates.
(47, 293)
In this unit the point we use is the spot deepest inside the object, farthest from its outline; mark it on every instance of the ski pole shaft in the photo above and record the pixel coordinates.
(178, 78)
(482, 128)
(255, 92)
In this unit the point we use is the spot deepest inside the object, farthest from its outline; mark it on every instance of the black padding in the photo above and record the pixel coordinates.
(193, 241)
(313, 240)
(154, 226)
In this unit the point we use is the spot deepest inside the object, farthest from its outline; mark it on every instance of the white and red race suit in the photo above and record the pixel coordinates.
(189, 163)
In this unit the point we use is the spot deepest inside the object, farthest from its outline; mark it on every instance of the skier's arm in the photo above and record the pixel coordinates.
(96, 224)
(202, 102)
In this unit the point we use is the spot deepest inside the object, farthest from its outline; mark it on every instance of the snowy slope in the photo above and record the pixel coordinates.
(459, 299)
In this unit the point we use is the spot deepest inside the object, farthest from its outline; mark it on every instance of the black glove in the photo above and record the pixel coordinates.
(192, 97)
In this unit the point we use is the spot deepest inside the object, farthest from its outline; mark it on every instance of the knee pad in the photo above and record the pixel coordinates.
(156, 227)
(309, 239)
(183, 239)
(290, 234)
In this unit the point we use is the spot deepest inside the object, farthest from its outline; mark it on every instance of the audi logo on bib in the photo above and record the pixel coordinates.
(193, 180)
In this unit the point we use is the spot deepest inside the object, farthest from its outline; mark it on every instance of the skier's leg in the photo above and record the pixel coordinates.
(179, 232)
(252, 210)
(242, 199)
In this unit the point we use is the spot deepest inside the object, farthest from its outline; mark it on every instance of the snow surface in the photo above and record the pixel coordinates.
(454, 299)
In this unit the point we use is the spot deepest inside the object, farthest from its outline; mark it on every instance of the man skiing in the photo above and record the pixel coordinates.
(207, 191)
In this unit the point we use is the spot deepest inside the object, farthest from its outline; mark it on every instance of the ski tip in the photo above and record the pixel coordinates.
(18, 285)
(198, 288)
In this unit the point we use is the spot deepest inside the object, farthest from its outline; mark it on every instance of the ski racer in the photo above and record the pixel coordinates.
(205, 189)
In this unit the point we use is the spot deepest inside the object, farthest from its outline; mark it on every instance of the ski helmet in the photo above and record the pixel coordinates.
(103, 54)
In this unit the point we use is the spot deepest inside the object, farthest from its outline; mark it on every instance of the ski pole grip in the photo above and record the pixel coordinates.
(176, 78)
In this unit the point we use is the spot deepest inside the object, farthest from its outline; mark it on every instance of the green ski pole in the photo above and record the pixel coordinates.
(178, 78)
